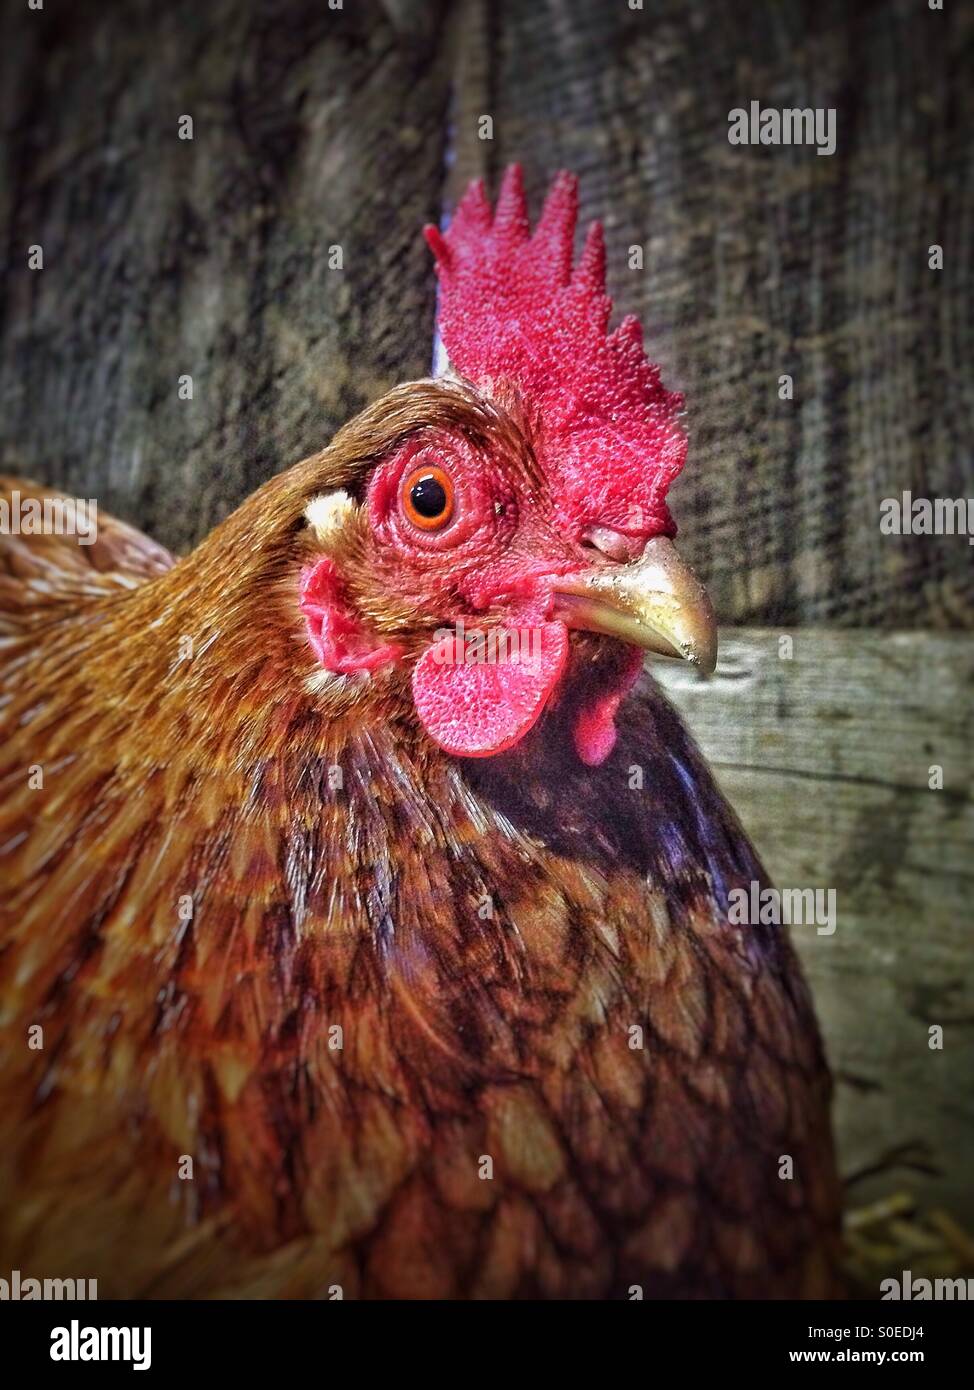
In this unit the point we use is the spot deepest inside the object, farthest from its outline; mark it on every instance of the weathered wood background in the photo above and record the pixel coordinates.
(164, 257)
(315, 127)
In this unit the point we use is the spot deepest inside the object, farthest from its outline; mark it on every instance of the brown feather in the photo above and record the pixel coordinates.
(485, 935)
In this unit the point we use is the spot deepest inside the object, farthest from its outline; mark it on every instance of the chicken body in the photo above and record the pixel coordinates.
(326, 1008)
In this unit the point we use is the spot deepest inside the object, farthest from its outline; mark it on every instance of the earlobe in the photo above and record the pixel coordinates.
(337, 638)
(330, 515)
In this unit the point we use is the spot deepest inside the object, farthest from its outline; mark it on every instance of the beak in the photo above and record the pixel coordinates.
(657, 603)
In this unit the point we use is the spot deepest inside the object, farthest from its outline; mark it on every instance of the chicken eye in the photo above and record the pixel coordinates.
(427, 498)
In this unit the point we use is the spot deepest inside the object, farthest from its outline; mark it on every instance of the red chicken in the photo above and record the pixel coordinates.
(364, 929)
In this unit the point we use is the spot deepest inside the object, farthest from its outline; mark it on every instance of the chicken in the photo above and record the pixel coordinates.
(365, 931)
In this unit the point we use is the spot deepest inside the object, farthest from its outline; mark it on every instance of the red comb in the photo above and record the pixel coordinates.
(513, 309)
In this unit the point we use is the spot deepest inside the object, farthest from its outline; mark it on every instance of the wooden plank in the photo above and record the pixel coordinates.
(764, 261)
(316, 127)
(313, 127)
(826, 757)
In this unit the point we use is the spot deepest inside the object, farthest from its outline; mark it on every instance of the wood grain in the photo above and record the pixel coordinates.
(316, 127)
(826, 758)
(762, 261)
(313, 128)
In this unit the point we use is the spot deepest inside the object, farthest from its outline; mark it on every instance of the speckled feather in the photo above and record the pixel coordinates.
(485, 934)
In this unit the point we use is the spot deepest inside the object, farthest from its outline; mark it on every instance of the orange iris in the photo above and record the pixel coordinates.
(427, 497)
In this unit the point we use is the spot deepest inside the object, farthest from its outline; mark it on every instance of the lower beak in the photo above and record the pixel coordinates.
(657, 603)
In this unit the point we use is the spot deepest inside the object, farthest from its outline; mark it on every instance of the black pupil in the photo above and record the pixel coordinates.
(428, 496)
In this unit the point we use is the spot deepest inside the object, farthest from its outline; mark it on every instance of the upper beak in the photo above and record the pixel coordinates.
(657, 602)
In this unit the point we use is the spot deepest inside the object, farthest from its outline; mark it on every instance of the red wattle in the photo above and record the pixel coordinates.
(475, 706)
(595, 727)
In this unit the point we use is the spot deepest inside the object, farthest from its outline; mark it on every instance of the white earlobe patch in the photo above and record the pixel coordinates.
(329, 515)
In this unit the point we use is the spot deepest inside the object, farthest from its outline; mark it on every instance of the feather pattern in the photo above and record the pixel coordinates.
(382, 999)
